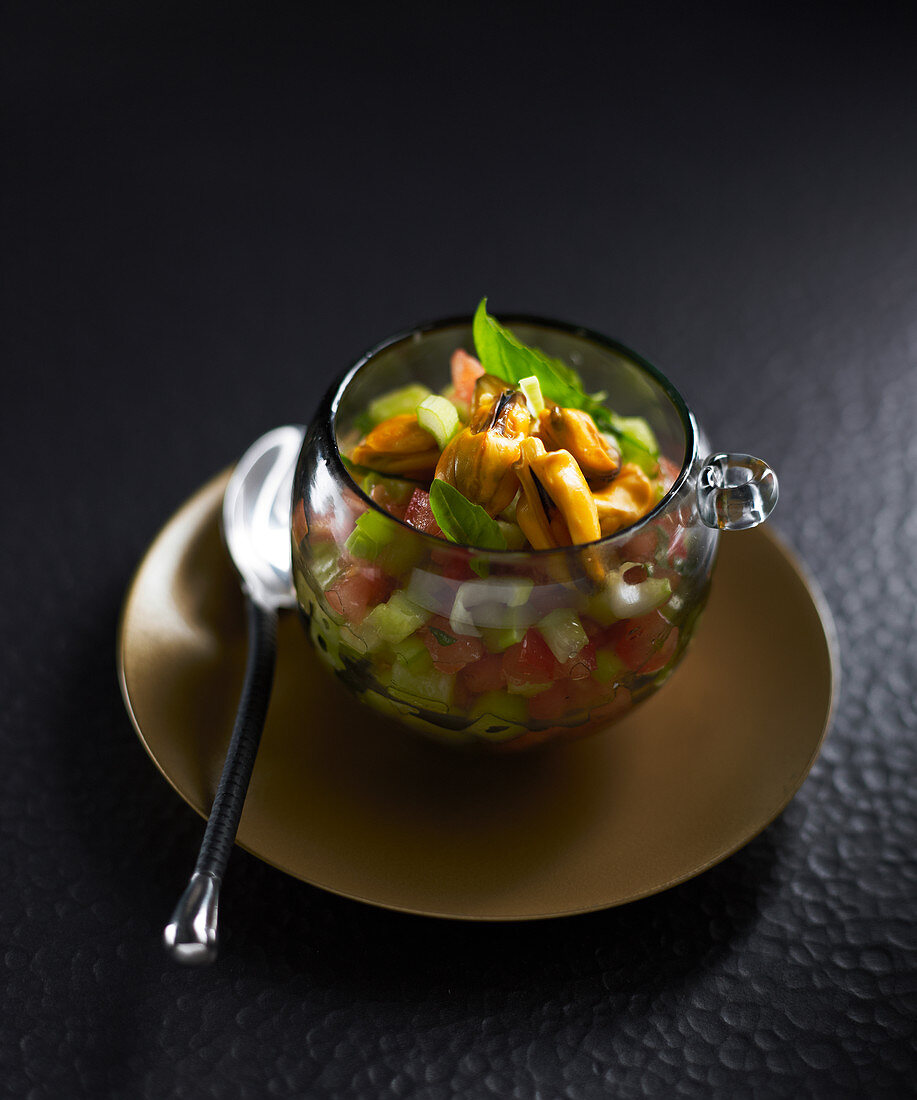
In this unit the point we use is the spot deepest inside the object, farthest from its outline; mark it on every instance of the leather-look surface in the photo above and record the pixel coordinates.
(207, 214)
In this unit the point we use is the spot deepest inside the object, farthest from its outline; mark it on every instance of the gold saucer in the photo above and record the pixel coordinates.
(343, 800)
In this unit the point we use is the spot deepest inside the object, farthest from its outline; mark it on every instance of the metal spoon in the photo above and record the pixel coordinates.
(256, 528)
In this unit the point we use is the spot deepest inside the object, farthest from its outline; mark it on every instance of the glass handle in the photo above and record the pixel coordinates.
(735, 492)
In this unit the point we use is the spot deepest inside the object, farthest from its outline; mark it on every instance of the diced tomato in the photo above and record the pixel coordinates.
(360, 589)
(530, 661)
(642, 546)
(669, 471)
(453, 564)
(455, 654)
(485, 674)
(462, 698)
(299, 522)
(561, 699)
(615, 707)
(328, 527)
(645, 644)
(419, 514)
(580, 666)
(466, 370)
(664, 654)
(591, 626)
(553, 704)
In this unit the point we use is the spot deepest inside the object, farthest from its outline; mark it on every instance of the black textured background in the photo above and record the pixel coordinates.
(209, 210)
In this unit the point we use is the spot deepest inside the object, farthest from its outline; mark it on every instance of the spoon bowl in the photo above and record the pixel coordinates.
(256, 516)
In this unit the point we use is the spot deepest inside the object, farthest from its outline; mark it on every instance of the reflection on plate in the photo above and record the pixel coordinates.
(344, 801)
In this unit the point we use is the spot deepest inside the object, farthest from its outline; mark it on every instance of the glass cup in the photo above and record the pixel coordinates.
(450, 640)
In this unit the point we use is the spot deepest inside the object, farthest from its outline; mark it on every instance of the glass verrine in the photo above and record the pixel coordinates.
(510, 648)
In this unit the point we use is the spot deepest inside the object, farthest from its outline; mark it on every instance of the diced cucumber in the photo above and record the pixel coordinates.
(372, 531)
(608, 666)
(360, 545)
(393, 621)
(636, 441)
(402, 713)
(350, 644)
(401, 555)
(635, 430)
(531, 387)
(494, 730)
(433, 690)
(378, 538)
(304, 592)
(509, 512)
(499, 704)
(324, 621)
(563, 632)
(633, 452)
(404, 400)
(324, 563)
(619, 600)
(414, 655)
(326, 638)
(439, 417)
(461, 407)
(512, 532)
(499, 638)
(497, 717)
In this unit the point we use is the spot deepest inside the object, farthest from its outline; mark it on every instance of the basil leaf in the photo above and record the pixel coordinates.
(461, 521)
(441, 636)
(504, 355)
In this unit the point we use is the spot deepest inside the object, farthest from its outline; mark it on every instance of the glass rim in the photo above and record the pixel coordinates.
(326, 415)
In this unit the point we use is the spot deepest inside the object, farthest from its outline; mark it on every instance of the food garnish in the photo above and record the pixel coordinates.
(514, 454)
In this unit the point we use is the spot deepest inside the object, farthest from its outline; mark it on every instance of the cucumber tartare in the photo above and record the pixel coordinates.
(478, 579)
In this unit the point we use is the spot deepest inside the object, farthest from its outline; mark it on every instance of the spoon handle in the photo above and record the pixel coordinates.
(191, 935)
